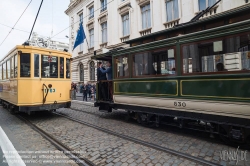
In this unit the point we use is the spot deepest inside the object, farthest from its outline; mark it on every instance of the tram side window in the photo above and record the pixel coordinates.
(4, 71)
(67, 68)
(36, 65)
(25, 65)
(158, 62)
(49, 66)
(61, 67)
(8, 69)
(122, 66)
(15, 64)
(220, 55)
(12, 68)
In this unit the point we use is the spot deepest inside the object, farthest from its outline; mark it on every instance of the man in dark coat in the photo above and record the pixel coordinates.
(102, 85)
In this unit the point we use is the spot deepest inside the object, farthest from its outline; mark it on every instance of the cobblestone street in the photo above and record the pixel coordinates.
(114, 121)
(27, 140)
(104, 149)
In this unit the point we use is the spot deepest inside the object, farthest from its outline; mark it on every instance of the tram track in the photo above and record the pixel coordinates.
(138, 141)
(59, 145)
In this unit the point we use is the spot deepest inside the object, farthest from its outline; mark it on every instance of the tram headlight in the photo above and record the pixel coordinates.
(50, 85)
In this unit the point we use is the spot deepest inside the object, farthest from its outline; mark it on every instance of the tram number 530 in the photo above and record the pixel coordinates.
(179, 104)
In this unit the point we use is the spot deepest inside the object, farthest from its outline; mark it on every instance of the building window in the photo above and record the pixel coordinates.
(81, 21)
(146, 18)
(104, 32)
(125, 25)
(203, 4)
(91, 12)
(103, 5)
(172, 10)
(92, 70)
(81, 72)
(91, 37)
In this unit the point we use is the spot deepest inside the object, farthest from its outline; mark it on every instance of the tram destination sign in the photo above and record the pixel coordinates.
(49, 58)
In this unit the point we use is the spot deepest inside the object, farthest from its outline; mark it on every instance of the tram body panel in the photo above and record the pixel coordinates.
(33, 92)
(230, 109)
(8, 91)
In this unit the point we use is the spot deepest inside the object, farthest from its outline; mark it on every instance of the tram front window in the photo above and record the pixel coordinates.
(25, 65)
(49, 66)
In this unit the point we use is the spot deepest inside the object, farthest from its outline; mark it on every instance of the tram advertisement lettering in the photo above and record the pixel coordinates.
(49, 59)
(179, 104)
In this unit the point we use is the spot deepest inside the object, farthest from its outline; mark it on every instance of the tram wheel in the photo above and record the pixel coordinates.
(145, 119)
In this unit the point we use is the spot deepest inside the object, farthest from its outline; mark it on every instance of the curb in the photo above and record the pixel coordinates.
(83, 102)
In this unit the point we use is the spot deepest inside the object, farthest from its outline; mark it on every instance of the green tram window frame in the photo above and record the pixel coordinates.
(25, 65)
(52, 63)
(157, 57)
(68, 66)
(219, 51)
(123, 64)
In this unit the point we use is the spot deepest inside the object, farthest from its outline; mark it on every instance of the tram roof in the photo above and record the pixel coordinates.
(239, 9)
(33, 48)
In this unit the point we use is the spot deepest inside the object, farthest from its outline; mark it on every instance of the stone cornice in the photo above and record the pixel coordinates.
(72, 5)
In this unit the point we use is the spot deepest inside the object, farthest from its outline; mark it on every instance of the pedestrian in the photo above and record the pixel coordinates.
(84, 89)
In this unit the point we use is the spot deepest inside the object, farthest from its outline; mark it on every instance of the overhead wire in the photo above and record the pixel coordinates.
(16, 23)
(79, 20)
(14, 28)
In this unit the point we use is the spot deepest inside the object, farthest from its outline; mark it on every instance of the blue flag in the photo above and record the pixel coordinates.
(80, 36)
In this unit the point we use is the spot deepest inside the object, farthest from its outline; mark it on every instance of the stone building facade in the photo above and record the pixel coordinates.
(108, 23)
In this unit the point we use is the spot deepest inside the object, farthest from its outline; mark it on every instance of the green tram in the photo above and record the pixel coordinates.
(195, 75)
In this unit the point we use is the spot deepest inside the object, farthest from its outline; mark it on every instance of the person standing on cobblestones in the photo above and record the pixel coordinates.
(84, 90)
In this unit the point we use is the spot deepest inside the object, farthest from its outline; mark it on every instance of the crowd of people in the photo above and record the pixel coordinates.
(88, 90)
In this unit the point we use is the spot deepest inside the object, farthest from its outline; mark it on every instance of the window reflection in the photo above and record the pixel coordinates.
(228, 54)
(61, 67)
(154, 63)
(36, 65)
(49, 66)
(67, 68)
(122, 67)
(25, 65)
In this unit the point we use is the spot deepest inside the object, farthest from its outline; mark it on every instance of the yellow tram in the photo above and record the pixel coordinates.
(34, 79)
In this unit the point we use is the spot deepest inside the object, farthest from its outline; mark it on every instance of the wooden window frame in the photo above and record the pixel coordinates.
(207, 41)
(129, 68)
(156, 50)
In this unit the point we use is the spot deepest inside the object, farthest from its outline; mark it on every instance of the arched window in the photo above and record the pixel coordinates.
(92, 70)
(81, 72)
